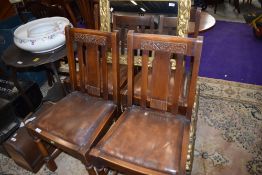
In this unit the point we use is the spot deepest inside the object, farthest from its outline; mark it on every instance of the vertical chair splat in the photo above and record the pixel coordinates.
(178, 83)
(144, 78)
(161, 72)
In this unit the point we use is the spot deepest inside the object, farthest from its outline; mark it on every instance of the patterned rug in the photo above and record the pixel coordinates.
(229, 134)
(229, 129)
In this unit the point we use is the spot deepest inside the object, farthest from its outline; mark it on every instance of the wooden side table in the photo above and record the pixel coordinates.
(18, 60)
(207, 21)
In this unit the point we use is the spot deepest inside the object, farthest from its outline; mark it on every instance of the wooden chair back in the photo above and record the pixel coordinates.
(67, 6)
(167, 25)
(91, 57)
(163, 47)
(140, 24)
(97, 14)
(195, 19)
(47, 8)
(41, 10)
(87, 11)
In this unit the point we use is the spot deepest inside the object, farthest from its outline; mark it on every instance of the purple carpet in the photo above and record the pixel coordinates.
(231, 52)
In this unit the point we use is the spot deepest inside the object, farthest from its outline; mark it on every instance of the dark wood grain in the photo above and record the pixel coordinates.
(14, 56)
(144, 79)
(130, 64)
(141, 24)
(199, 22)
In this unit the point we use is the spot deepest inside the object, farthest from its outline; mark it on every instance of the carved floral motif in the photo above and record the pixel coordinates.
(164, 46)
(90, 39)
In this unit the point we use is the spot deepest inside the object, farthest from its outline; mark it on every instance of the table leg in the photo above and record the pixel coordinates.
(20, 89)
(55, 72)
(56, 76)
(58, 91)
(50, 78)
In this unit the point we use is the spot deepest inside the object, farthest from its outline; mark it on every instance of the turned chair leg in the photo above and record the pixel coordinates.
(91, 170)
(102, 171)
(50, 163)
(114, 173)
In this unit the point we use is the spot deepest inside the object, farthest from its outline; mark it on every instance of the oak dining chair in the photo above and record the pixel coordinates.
(140, 24)
(167, 25)
(43, 9)
(76, 123)
(147, 139)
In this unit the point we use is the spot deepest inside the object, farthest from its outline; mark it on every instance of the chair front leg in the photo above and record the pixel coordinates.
(114, 173)
(102, 171)
(91, 170)
(50, 163)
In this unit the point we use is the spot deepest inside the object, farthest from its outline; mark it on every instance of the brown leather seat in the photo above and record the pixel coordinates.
(146, 138)
(75, 126)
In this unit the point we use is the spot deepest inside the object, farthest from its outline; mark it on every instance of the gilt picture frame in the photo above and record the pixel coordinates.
(183, 15)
